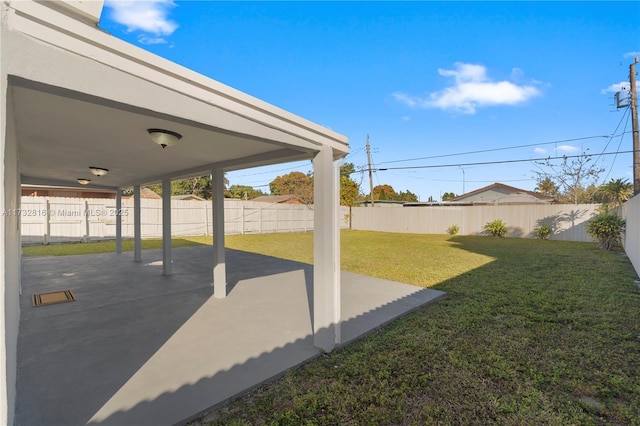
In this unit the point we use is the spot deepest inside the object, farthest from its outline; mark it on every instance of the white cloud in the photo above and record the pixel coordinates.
(406, 99)
(472, 89)
(567, 148)
(617, 87)
(631, 54)
(149, 16)
(142, 39)
(539, 150)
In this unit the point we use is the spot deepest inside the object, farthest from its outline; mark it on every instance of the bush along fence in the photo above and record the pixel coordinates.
(47, 220)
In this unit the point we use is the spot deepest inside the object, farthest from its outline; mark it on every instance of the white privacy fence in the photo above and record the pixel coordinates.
(567, 222)
(55, 219)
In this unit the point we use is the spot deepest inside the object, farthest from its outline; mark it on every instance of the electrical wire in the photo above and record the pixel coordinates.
(564, 157)
(494, 149)
(614, 158)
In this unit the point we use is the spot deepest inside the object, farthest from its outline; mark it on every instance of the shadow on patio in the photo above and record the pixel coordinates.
(141, 348)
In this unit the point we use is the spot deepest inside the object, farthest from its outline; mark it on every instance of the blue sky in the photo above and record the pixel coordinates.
(422, 79)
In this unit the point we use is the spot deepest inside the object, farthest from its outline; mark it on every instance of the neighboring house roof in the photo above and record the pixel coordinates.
(187, 197)
(383, 203)
(147, 193)
(278, 199)
(502, 194)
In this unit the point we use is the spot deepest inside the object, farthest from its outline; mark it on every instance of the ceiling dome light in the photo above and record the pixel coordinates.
(84, 181)
(98, 171)
(164, 138)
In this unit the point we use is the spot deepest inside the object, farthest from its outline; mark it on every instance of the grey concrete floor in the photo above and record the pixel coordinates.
(139, 348)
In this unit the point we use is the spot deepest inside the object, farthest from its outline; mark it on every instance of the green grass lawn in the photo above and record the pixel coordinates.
(531, 332)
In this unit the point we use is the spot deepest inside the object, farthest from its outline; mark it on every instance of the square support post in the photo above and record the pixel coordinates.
(326, 249)
(219, 266)
(118, 221)
(166, 227)
(137, 225)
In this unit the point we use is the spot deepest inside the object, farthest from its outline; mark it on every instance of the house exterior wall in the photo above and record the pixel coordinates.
(485, 196)
(10, 261)
(631, 213)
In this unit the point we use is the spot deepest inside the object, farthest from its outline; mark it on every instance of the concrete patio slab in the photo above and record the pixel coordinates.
(139, 348)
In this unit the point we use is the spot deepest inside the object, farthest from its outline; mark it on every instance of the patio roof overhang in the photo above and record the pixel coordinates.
(88, 99)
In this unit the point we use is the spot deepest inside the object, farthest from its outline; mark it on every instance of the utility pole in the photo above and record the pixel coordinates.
(463, 179)
(634, 127)
(370, 171)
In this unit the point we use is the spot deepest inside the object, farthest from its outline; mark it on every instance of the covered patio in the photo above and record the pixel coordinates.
(139, 348)
(153, 335)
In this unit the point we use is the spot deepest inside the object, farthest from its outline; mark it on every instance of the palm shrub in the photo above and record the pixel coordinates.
(497, 228)
(543, 232)
(606, 228)
(453, 229)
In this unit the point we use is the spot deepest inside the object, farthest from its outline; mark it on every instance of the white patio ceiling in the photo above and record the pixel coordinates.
(61, 137)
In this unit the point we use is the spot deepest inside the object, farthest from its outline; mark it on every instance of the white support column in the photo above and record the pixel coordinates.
(336, 250)
(47, 229)
(137, 225)
(206, 220)
(166, 227)
(118, 221)
(326, 248)
(219, 267)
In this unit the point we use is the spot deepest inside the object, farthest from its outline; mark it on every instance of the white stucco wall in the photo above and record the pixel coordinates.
(631, 213)
(10, 262)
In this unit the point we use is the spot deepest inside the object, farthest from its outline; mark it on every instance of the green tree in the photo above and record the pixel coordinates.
(406, 196)
(616, 191)
(294, 183)
(349, 188)
(349, 191)
(199, 186)
(448, 195)
(383, 192)
(347, 169)
(243, 191)
(546, 186)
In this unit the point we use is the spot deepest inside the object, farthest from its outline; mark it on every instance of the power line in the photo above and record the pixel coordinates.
(614, 158)
(495, 149)
(614, 134)
(501, 162)
(485, 181)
